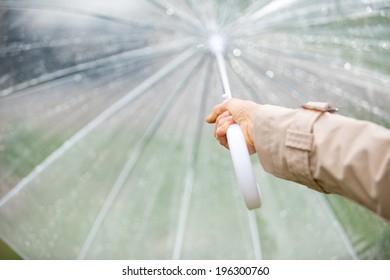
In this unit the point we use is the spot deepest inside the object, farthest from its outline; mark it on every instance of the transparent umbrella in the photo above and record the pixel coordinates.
(104, 152)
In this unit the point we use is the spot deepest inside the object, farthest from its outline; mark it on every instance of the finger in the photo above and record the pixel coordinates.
(222, 118)
(223, 141)
(217, 110)
(221, 130)
(223, 126)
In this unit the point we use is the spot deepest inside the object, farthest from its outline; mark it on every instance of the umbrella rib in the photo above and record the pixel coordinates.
(280, 82)
(73, 10)
(18, 47)
(271, 50)
(190, 174)
(227, 18)
(302, 97)
(153, 51)
(246, 84)
(251, 9)
(186, 199)
(128, 167)
(270, 8)
(184, 17)
(309, 21)
(255, 235)
(50, 132)
(76, 114)
(135, 93)
(338, 227)
(357, 101)
(197, 13)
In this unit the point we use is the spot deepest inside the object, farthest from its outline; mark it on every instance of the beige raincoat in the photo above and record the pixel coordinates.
(326, 152)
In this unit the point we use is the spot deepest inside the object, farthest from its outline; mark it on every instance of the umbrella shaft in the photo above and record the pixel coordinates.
(223, 75)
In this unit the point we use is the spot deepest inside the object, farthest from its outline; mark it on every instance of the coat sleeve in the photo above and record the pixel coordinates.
(327, 152)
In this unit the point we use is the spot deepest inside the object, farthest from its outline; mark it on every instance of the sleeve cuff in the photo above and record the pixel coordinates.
(284, 142)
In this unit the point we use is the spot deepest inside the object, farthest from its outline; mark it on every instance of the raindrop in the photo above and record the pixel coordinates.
(78, 78)
(283, 214)
(269, 74)
(385, 45)
(236, 52)
(347, 66)
(318, 45)
(26, 47)
(336, 40)
(170, 11)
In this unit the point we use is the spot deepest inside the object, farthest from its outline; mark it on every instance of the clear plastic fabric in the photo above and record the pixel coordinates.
(104, 151)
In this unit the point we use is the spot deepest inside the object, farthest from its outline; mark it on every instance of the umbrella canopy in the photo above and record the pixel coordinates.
(104, 152)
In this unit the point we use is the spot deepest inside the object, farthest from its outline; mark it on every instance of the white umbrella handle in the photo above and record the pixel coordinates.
(237, 145)
(243, 167)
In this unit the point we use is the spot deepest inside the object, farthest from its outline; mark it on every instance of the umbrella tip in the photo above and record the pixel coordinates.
(216, 43)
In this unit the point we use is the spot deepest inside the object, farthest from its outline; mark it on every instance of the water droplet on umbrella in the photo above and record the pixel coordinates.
(269, 74)
(236, 52)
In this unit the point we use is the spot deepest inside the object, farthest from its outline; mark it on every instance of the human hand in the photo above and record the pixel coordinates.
(233, 111)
